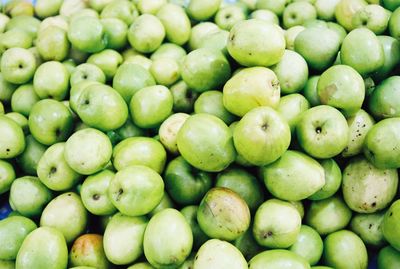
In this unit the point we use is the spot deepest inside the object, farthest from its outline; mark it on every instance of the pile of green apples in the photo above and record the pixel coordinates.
(205, 134)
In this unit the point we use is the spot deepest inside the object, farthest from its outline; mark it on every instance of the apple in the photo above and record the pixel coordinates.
(291, 35)
(12, 140)
(151, 6)
(166, 202)
(247, 51)
(345, 11)
(205, 69)
(98, 5)
(276, 6)
(393, 24)
(201, 10)
(333, 180)
(380, 146)
(124, 10)
(51, 80)
(54, 172)
(58, 21)
(17, 65)
(123, 238)
(298, 13)
(199, 237)
(265, 15)
(127, 130)
(18, 8)
(391, 4)
(328, 215)
(88, 250)
(87, 72)
(342, 87)
(15, 38)
(28, 160)
(176, 23)
(219, 254)
(7, 176)
(116, 33)
(383, 100)
(53, 44)
(169, 50)
(23, 99)
(369, 228)
(75, 92)
(183, 97)
(277, 258)
(199, 31)
(228, 16)
(211, 102)
(308, 245)
(391, 48)
(291, 107)
(47, 8)
(4, 19)
(29, 196)
(344, 249)
(165, 71)
(169, 129)
(374, 17)
(141, 265)
(326, 9)
(94, 193)
(303, 176)
(390, 225)
(43, 248)
(388, 257)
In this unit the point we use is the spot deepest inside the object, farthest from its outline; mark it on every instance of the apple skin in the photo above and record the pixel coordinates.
(310, 91)
(345, 11)
(219, 254)
(124, 10)
(88, 151)
(195, 145)
(373, 17)
(50, 122)
(276, 6)
(94, 193)
(388, 258)
(278, 258)
(393, 24)
(87, 250)
(184, 183)
(123, 238)
(151, 7)
(13, 231)
(116, 33)
(139, 151)
(29, 196)
(23, 99)
(47, 8)
(326, 9)
(166, 71)
(54, 172)
(87, 72)
(391, 51)
(205, 69)
(168, 239)
(199, 32)
(223, 214)
(333, 180)
(166, 202)
(176, 23)
(211, 102)
(7, 176)
(169, 129)
(199, 237)
(107, 60)
(53, 44)
(381, 144)
(247, 52)
(18, 65)
(298, 13)
(328, 215)
(87, 34)
(12, 140)
(76, 91)
(344, 249)
(201, 10)
(184, 97)
(367, 189)
(296, 182)
(250, 88)
(390, 225)
(276, 224)
(261, 136)
(369, 228)
(43, 248)
(308, 245)
(51, 80)
(291, 107)
(133, 184)
(169, 50)
(383, 102)
(322, 131)
(141, 265)
(228, 16)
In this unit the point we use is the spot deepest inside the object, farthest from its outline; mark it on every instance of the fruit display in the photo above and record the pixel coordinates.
(199, 134)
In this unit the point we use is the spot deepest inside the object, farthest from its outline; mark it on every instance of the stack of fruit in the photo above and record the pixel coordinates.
(200, 134)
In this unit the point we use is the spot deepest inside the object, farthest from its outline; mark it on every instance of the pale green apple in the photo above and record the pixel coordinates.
(333, 180)
(229, 15)
(211, 102)
(176, 23)
(388, 258)
(217, 41)
(165, 71)
(291, 35)
(369, 228)
(345, 11)
(15, 38)
(326, 9)
(146, 33)
(291, 107)
(87, 72)
(298, 13)
(199, 237)
(18, 65)
(391, 51)
(278, 258)
(383, 100)
(29, 158)
(374, 17)
(123, 9)
(52, 44)
(169, 50)
(7, 176)
(51, 80)
(169, 129)
(12, 140)
(393, 24)
(184, 97)
(265, 15)
(23, 99)
(116, 32)
(201, 10)
(199, 32)
(308, 245)
(58, 21)
(87, 250)
(150, 6)
(107, 60)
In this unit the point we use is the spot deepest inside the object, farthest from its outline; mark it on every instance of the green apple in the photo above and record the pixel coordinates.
(278, 258)
(47, 8)
(51, 80)
(369, 228)
(88, 151)
(223, 214)
(276, 6)
(169, 129)
(202, 10)
(54, 172)
(176, 23)
(53, 44)
(107, 60)
(101, 107)
(303, 176)
(374, 17)
(345, 11)
(127, 130)
(362, 50)
(390, 225)
(205, 69)
(50, 121)
(20, 119)
(298, 13)
(276, 224)
(123, 9)
(69, 8)
(152, 6)
(388, 258)
(291, 35)
(17, 65)
(150, 106)
(87, 34)
(94, 193)
(87, 250)
(291, 107)
(261, 136)
(248, 51)
(393, 24)
(310, 91)
(13, 231)
(7, 176)
(87, 72)
(383, 100)
(319, 46)
(250, 88)
(381, 144)
(333, 180)
(166, 202)
(146, 33)
(199, 237)
(28, 160)
(184, 183)
(12, 140)
(184, 97)
(141, 60)
(58, 21)
(169, 50)
(168, 239)
(76, 91)
(23, 99)
(139, 151)
(229, 15)
(165, 71)
(43, 248)
(265, 15)
(141, 265)
(217, 41)
(247, 245)
(129, 78)
(322, 131)
(308, 245)
(391, 4)
(4, 19)
(15, 38)
(391, 48)
(367, 189)
(326, 9)
(359, 125)
(328, 215)
(344, 249)
(342, 87)
(6, 90)
(136, 190)
(116, 33)
(123, 238)
(195, 145)
(211, 102)
(219, 254)
(199, 32)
